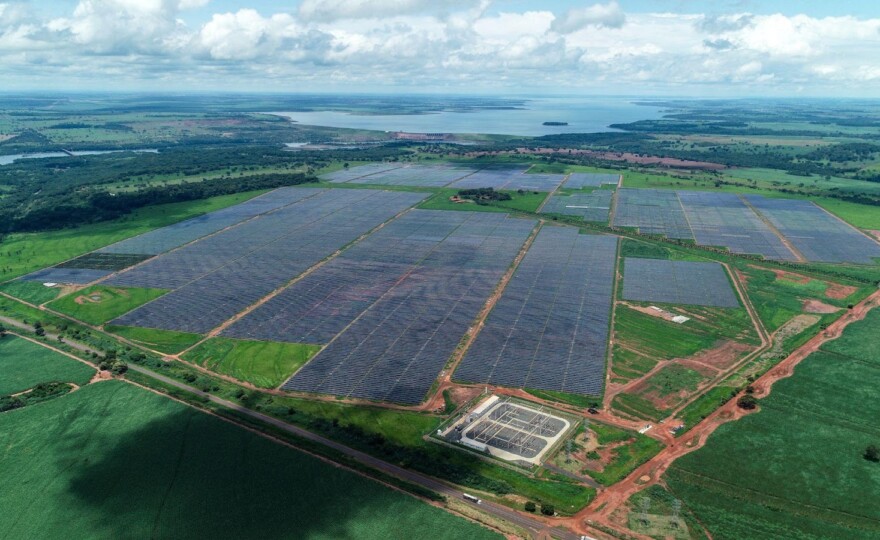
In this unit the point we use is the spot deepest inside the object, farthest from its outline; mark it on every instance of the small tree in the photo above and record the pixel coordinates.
(531, 507)
(548, 509)
(2, 330)
(872, 453)
(747, 402)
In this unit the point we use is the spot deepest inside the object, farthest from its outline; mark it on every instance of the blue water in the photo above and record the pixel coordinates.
(584, 115)
(6, 160)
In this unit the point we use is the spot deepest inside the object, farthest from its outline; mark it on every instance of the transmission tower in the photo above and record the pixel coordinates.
(645, 504)
(676, 510)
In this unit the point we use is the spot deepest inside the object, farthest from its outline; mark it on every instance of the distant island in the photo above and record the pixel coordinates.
(555, 123)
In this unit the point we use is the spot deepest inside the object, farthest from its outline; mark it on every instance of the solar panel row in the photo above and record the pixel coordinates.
(350, 173)
(677, 282)
(582, 180)
(549, 330)
(168, 238)
(593, 206)
(652, 211)
(217, 277)
(395, 349)
(818, 235)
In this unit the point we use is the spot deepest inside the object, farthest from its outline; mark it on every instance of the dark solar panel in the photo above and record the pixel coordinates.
(677, 282)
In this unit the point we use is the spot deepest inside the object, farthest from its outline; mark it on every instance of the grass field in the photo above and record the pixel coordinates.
(114, 461)
(626, 458)
(25, 252)
(30, 291)
(526, 202)
(99, 304)
(265, 364)
(795, 469)
(24, 364)
(166, 341)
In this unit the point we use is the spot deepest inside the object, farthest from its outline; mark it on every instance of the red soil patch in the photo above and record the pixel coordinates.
(722, 357)
(838, 291)
(876, 234)
(815, 306)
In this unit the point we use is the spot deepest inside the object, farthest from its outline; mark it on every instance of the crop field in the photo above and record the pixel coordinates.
(213, 279)
(113, 460)
(755, 476)
(25, 252)
(549, 330)
(24, 364)
(396, 348)
(740, 223)
(677, 282)
(262, 363)
(99, 303)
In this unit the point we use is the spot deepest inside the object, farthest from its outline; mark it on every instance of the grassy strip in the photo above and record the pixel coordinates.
(99, 304)
(263, 363)
(166, 341)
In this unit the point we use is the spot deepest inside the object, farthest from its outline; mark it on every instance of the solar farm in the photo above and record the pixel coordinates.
(777, 229)
(593, 206)
(677, 282)
(512, 430)
(549, 330)
(511, 177)
(583, 180)
(395, 349)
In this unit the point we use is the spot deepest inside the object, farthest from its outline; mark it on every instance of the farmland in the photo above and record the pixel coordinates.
(747, 478)
(155, 467)
(23, 365)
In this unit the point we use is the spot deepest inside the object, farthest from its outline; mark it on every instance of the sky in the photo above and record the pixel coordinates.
(813, 48)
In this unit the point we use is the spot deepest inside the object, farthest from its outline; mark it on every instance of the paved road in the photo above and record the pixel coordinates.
(534, 526)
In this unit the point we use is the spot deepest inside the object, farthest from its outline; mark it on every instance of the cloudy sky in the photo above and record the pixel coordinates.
(633, 47)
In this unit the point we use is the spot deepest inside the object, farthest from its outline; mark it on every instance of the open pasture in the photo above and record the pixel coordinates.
(549, 330)
(99, 303)
(264, 364)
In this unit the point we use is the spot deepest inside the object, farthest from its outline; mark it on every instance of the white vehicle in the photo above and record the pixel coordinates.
(472, 499)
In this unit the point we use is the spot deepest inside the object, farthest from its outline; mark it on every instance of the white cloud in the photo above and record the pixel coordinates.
(600, 15)
(361, 45)
(331, 10)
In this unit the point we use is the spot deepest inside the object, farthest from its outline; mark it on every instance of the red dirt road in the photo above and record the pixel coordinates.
(600, 510)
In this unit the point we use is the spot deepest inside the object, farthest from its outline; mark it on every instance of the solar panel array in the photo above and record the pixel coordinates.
(723, 219)
(219, 276)
(652, 211)
(818, 235)
(592, 206)
(104, 261)
(677, 282)
(549, 330)
(582, 180)
(75, 276)
(350, 173)
(395, 349)
(167, 238)
(509, 179)
(416, 175)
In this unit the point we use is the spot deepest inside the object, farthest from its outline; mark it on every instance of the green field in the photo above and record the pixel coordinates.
(626, 458)
(30, 291)
(525, 202)
(24, 364)
(114, 461)
(795, 469)
(264, 363)
(99, 304)
(25, 252)
(165, 341)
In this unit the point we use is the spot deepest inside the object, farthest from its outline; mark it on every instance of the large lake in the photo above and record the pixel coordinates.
(6, 160)
(584, 115)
